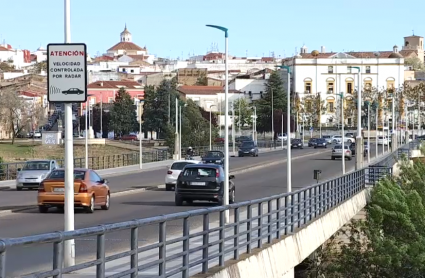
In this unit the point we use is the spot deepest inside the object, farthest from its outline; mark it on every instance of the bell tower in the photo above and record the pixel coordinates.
(125, 35)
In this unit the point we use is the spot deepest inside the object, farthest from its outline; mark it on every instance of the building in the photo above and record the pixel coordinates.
(126, 46)
(189, 77)
(252, 85)
(328, 73)
(415, 44)
(16, 57)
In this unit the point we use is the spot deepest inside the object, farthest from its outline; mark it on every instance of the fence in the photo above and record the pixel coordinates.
(194, 250)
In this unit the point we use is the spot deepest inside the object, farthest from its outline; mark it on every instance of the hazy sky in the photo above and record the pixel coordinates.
(171, 28)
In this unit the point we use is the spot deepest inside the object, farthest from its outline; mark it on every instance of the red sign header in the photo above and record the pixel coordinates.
(67, 53)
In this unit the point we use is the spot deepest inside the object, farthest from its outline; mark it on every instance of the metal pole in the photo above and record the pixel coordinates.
(368, 133)
(69, 245)
(180, 132)
(226, 131)
(288, 135)
(176, 134)
(376, 132)
(239, 116)
(140, 135)
(210, 129)
(101, 115)
(342, 130)
(86, 158)
(272, 115)
(255, 124)
(233, 128)
(281, 131)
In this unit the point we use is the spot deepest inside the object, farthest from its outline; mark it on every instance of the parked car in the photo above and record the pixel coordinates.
(337, 152)
(203, 182)
(349, 137)
(34, 172)
(216, 157)
(337, 139)
(282, 137)
(328, 138)
(129, 137)
(90, 190)
(321, 143)
(248, 148)
(174, 171)
(312, 142)
(219, 140)
(382, 140)
(296, 144)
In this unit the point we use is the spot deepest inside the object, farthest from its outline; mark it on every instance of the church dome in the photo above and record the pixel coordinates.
(395, 55)
(125, 31)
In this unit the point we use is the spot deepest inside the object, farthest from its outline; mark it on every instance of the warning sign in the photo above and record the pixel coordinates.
(67, 72)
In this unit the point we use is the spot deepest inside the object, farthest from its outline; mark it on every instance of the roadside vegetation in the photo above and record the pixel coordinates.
(390, 242)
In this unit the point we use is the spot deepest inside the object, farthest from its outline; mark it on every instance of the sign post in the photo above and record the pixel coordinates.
(67, 83)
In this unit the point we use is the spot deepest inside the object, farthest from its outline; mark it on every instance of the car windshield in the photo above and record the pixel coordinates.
(213, 154)
(179, 165)
(200, 172)
(60, 175)
(247, 145)
(326, 136)
(320, 140)
(296, 140)
(337, 136)
(339, 147)
(36, 165)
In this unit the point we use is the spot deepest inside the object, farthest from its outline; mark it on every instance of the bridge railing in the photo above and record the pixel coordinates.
(204, 239)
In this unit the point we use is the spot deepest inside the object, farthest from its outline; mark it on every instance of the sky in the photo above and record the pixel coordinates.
(175, 29)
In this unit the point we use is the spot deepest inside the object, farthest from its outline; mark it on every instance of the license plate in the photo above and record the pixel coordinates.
(58, 189)
(246, 152)
(197, 183)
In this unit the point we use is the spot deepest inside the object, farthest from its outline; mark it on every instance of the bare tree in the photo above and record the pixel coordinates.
(415, 96)
(16, 113)
(312, 107)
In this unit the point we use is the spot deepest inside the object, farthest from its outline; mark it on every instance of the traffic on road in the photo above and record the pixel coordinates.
(250, 184)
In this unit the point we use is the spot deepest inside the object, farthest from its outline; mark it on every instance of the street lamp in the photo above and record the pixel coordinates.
(139, 110)
(226, 113)
(233, 129)
(342, 131)
(288, 130)
(254, 124)
(368, 132)
(211, 126)
(87, 121)
(359, 143)
(180, 129)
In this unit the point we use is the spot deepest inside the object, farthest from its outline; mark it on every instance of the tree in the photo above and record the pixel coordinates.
(202, 80)
(206, 115)
(41, 66)
(242, 106)
(313, 107)
(391, 241)
(414, 96)
(123, 114)
(414, 62)
(6, 67)
(275, 91)
(95, 117)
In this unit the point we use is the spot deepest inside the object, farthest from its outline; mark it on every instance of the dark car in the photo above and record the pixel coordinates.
(203, 182)
(321, 143)
(296, 144)
(312, 142)
(353, 148)
(242, 139)
(248, 148)
(73, 91)
(216, 157)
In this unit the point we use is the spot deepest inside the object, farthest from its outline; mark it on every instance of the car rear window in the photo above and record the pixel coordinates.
(213, 154)
(339, 147)
(200, 172)
(179, 165)
(380, 137)
(248, 144)
(60, 174)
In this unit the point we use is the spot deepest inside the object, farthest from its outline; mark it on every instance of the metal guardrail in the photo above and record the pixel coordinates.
(254, 222)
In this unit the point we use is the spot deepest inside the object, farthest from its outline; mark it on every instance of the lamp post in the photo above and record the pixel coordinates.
(139, 110)
(211, 126)
(233, 129)
(288, 130)
(281, 132)
(87, 121)
(368, 132)
(254, 125)
(376, 132)
(226, 129)
(342, 131)
(101, 115)
(359, 143)
(176, 134)
(272, 114)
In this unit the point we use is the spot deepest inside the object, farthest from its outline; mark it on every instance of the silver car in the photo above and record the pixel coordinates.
(33, 173)
(338, 153)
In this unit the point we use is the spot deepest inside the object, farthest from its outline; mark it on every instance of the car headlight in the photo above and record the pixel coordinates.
(43, 176)
(217, 161)
(252, 150)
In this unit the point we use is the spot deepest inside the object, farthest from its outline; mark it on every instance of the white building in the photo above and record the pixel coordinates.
(41, 54)
(329, 73)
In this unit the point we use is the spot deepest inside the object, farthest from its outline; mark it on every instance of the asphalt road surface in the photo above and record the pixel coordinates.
(12, 199)
(250, 185)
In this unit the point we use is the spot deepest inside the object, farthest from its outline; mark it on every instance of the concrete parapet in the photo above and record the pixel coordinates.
(280, 258)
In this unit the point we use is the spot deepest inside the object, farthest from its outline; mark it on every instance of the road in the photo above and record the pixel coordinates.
(12, 199)
(250, 185)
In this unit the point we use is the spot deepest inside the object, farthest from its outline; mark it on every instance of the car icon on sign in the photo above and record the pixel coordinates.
(74, 91)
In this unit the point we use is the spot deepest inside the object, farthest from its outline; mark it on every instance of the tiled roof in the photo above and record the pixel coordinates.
(360, 54)
(222, 71)
(114, 85)
(103, 58)
(125, 46)
(138, 57)
(4, 49)
(200, 90)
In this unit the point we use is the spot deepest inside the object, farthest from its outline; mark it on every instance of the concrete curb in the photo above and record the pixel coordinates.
(154, 187)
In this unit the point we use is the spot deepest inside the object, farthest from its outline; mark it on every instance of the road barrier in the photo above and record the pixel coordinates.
(254, 223)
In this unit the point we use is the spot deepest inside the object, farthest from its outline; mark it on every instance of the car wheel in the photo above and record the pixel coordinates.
(220, 202)
(178, 201)
(333, 157)
(232, 197)
(90, 208)
(168, 187)
(18, 188)
(43, 209)
(107, 202)
(349, 158)
(189, 202)
(315, 147)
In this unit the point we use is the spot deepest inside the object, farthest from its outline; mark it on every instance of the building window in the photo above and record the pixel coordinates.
(307, 87)
(330, 87)
(349, 69)
(367, 69)
(330, 69)
(349, 87)
(132, 71)
(368, 85)
(330, 106)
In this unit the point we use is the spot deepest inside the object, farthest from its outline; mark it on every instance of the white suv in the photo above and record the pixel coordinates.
(174, 171)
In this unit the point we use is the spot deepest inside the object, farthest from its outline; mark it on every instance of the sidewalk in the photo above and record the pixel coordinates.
(125, 170)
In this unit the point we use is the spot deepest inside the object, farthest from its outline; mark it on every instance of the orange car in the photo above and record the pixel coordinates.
(90, 190)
